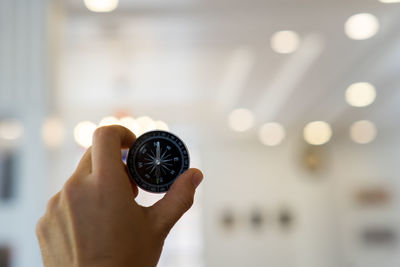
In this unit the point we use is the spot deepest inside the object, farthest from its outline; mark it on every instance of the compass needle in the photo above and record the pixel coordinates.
(158, 150)
(157, 174)
(152, 169)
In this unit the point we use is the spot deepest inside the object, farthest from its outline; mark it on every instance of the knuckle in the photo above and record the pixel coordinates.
(185, 202)
(40, 227)
(69, 189)
(53, 202)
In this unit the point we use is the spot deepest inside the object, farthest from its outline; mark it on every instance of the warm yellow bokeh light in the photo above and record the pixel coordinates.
(101, 5)
(389, 1)
(83, 133)
(317, 133)
(271, 134)
(160, 125)
(285, 42)
(363, 132)
(11, 129)
(109, 120)
(130, 123)
(361, 26)
(146, 124)
(241, 120)
(138, 126)
(360, 94)
(53, 132)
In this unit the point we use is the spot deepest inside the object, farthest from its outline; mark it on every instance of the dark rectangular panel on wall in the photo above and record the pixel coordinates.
(5, 256)
(7, 178)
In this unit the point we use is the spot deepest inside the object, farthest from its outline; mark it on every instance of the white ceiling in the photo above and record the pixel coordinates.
(176, 54)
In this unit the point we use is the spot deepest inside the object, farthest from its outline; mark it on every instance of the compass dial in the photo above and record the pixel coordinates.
(156, 159)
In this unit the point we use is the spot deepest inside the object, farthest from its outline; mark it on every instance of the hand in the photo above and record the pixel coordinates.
(95, 221)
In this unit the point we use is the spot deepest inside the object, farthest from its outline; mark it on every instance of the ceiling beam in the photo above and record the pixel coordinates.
(234, 81)
(281, 87)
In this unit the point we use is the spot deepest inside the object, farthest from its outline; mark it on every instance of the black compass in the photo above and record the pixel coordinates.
(156, 159)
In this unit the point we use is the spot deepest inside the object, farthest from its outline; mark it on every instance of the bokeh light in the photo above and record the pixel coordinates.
(130, 123)
(160, 125)
(53, 132)
(389, 1)
(363, 132)
(317, 133)
(11, 129)
(271, 134)
(101, 5)
(146, 124)
(361, 26)
(360, 94)
(83, 133)
(241, 120)
(109, 120)
(285, 42)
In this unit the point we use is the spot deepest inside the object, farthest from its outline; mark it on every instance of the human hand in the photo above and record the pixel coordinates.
(95, 221)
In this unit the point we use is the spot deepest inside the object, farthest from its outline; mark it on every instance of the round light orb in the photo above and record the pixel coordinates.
(83, 133)
(130, 123)
(360, 94)
(146, 124)
(285, 42)
(11, 129)
(389, 1)
(53, 132)
(101, 5)
(317, 133)
(363, 132)
(271, 134)
(361, 26)
(160, 125)
(241, 120)
(109, 120)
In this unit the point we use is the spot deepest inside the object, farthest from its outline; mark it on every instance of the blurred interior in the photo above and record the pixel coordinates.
(290, 108)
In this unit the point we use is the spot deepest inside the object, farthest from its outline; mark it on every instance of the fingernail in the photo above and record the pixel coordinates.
(197, 177)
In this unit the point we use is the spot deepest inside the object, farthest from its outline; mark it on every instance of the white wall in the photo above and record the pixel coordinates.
(357, 167)
(242, 174)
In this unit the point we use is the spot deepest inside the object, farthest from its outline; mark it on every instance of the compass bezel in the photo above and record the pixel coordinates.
(150, 137)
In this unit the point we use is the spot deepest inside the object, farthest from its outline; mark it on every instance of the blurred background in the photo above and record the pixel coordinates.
(290, 107)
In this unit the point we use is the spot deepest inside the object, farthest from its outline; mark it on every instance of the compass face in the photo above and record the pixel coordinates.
(156, 159)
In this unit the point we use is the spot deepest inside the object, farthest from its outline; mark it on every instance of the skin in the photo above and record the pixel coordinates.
(95, 221)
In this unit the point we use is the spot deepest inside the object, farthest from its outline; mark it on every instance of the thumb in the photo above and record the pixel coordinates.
(177, 200)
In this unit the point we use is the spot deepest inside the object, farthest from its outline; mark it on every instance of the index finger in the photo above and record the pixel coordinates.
(107, 144)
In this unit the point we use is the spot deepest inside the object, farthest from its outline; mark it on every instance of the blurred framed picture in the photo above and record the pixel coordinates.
(7, 160)
(379, 236)
(373, 196)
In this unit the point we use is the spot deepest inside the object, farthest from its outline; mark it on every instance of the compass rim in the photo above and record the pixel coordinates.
(133, 150)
